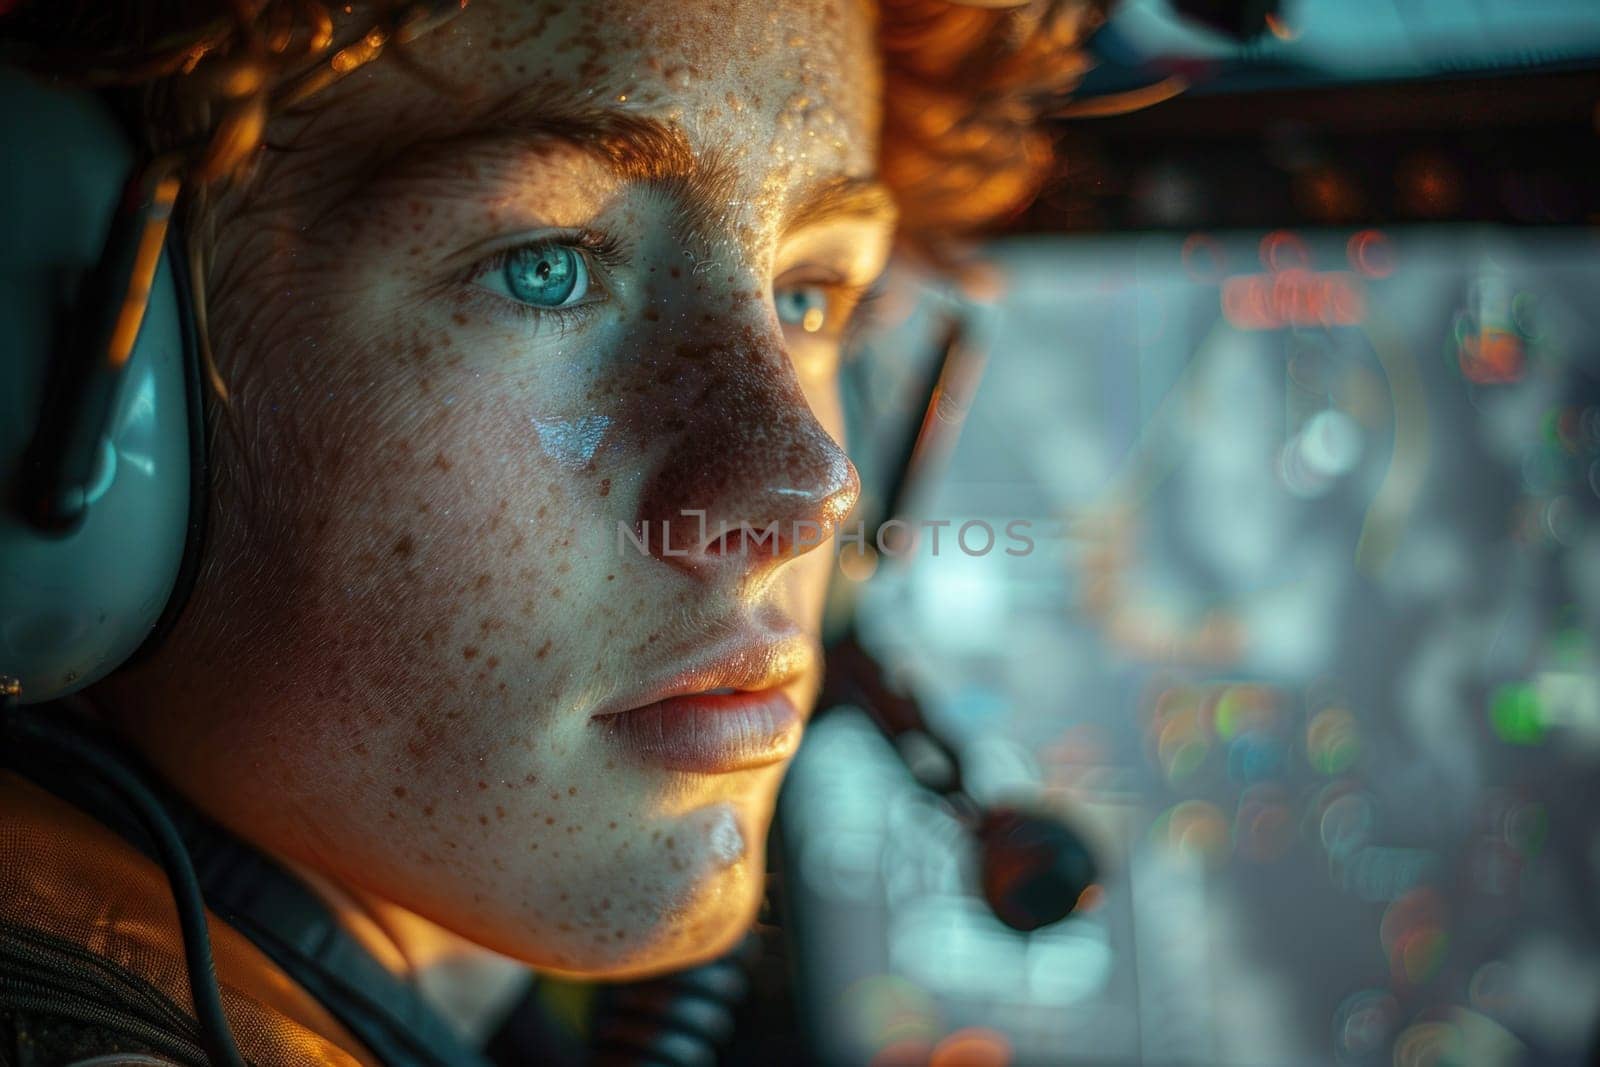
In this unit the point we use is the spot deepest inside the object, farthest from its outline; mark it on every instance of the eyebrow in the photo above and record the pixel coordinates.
(644, 150)
(845, 197)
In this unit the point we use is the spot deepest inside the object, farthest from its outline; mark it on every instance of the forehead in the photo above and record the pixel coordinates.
(790, 93)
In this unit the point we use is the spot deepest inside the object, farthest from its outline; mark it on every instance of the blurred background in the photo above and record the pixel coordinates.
(1295, 378)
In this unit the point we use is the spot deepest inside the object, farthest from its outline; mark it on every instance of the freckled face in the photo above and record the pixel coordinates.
(589, 272)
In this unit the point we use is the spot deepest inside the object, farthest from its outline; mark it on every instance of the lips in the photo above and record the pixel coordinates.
(732, 711)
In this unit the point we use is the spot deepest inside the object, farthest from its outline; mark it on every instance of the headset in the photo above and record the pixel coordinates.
(103, 492)
(101, 433)
(102, 427)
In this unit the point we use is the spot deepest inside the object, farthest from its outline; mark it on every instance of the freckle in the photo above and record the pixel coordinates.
(404, 546)
(563, 898)
(541, 511)
(361, 750)
(393, 814)
(483, 820)
(544, 649)
(555, 594)
(549, 820)
(423, 508)
(492, 662)
(611, 764)
(529, 779)
(481, 581)
(554, 795)
(611, 577)
(441, 461)
(572, 790)
(652, 315)
(469, 652)
(499, 812)
(400, 791)
(482, 784)
(428, 810)
(613, 826)
(605, 486)
(671, 843)
(675, 272)
(461, 320)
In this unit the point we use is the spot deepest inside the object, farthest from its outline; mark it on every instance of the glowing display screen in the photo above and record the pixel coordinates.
(1306, 646)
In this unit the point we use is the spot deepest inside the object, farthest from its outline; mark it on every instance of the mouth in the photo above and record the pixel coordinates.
(730, 712)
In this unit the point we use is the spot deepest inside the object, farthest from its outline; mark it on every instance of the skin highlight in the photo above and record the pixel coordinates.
(413, 602)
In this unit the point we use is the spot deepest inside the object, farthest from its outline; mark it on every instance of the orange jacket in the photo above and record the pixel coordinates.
(71, 881)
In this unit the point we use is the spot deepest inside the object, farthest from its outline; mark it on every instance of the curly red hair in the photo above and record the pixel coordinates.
(965, 84)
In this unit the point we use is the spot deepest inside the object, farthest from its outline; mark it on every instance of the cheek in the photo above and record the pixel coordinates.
(446, 537)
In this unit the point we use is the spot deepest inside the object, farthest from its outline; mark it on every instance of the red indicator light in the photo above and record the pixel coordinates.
(1282, 250)
(1371, 254)
(1293, 298)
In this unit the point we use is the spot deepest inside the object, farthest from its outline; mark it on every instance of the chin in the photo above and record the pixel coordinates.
(708, 918)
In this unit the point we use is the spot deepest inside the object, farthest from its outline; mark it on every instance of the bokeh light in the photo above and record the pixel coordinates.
(1371, 253)
(889, 1010)
(1414, 937)
(1194, 830)
(1516, 715)
(1281, 250)
(1363, 1024)
(1263, 827)
(973, 1047)
(1333, 741)
(1346, 821)
(1430, 1044)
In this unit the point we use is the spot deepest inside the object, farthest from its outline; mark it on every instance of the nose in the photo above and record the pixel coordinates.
(752, 478)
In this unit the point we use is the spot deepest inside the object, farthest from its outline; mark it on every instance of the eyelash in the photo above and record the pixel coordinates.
(610, 252)
(594, 246)
(846, 303)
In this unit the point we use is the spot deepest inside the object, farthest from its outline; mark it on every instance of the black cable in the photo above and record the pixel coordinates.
(25, 725)
(677, 1020)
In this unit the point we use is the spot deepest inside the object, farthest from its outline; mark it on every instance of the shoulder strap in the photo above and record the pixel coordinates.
(277, 912)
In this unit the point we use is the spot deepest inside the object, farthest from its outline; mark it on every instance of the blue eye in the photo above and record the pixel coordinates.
(805, 306)
(545, 276)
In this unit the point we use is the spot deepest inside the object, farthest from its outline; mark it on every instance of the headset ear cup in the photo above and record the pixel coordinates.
(199, 466)
(75, 605)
